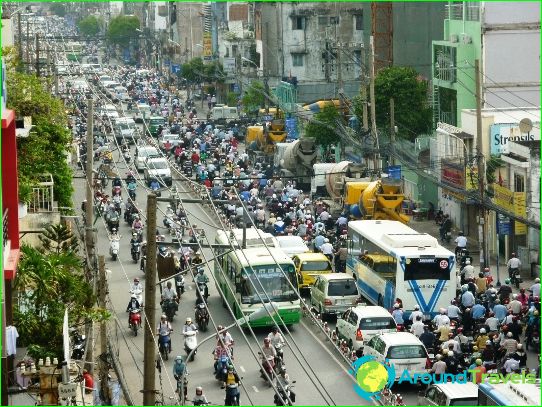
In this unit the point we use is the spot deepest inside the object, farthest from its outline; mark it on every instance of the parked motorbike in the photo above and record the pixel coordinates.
(190, 344)
(135, 320)
(202, 317)
(79, 343)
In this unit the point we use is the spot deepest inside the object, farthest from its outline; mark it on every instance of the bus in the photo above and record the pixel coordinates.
(391, 260)
(254, 238)
(509, 394)
(250, 276)
(74, 50)
(153, 123)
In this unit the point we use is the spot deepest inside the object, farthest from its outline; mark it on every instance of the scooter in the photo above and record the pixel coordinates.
(285, 396)
(202, 316)
(139, 295)
(136, 251)
(279, 359)
(221, 368)
(164, 345)
(268, 364)
(135, 320)
(202, 291)
(114, 247)
(169, 307)
(190, 344)
(79, 343)
(232, 395)
(179, 285)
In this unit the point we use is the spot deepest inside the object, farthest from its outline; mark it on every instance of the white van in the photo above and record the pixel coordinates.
(222, 113)
(401, 349)
(334, 293)
(126, 129)
(142, 153)
(359, 324)
(142, 112)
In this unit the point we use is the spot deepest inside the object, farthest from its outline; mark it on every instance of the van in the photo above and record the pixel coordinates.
(142, 112)
(141, 155)
(359, 324)
(449, 394)
(224, 114)
(333, 293)
(403, 350)
(126, 129)
(309, 266)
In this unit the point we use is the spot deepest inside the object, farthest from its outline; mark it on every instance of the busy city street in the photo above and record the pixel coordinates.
(196, 227)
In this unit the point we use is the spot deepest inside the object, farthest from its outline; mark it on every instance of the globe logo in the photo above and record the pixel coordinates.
(372, 377)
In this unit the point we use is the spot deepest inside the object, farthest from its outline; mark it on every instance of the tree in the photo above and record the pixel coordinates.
(254, 97)
(57, 239)
(412, 112)
(324, 127)
(122, 30)
(58, 9)
(89, 26)
(193, 70)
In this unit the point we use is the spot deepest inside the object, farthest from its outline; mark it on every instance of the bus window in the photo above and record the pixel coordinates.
(427, 269)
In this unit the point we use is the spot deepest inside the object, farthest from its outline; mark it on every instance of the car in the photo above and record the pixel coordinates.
(403, 350)
(110, 111)
(158, 168)
(141, 155)
(174, 139)
(449, 394)
(126, 129)
(121, 93)
(292, 245)
(359, 324)
(153, 124)
(333, 293)
(142, 111)
(308, 266)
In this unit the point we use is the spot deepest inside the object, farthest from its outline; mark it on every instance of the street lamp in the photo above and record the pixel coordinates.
(268, 309)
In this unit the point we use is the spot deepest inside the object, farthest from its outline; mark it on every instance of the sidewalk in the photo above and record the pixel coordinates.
(430, 227)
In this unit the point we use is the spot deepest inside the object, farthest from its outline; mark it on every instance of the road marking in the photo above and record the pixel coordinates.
(255, 389)
(341, 364)
(242, 369)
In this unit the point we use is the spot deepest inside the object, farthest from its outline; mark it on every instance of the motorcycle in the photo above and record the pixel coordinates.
(202, 289)
(232, 395)
(135, 320)
(285, 396)
(164, 345)
(114, 247)
(179, 285)
(268, 364)
(113, 221)
(117, 201)
(132, 193)
(221, 368)
(515, 278)
(136, 251)
(279, 359)
(202, 317)
(127, 156)
(169, 307)
(139, 295)
(116, 191)
(190, 344)
(139, 232)
(79, 343)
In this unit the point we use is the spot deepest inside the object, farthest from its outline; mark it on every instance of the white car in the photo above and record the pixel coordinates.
(126, 129)
(360, 324)
(110, 111)
(174, 139)
(142, 153)
(158, 168)
(449, 394)
(142, 112)
(292, 245)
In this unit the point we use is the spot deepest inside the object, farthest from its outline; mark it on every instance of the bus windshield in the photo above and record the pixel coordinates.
(427, 268)
(156, 122)
(269, 283)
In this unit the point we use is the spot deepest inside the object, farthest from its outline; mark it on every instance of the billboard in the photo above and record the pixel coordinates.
(229, 65)
(207, 46)
(520, 209)
(502, 133)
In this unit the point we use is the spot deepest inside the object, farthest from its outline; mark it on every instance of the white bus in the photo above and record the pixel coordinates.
(254, 238)
(250, 276)
(509, 394)
(391, 260)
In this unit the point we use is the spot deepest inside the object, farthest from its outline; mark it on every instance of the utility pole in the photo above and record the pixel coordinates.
(38, 71)
(363, 79)
(89, 215)
(55, 73)
(482, 224)
(149, 346)
(373, 103)
(20, 38)
(103, 363)
(27, 47)
(392, 130)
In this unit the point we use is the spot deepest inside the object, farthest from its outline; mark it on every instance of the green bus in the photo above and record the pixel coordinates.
(153, 123)
(250, 276)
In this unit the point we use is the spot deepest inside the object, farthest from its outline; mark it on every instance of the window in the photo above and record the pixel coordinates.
(342, 288)
(406, 352)
(519, 183)
(353, 319)
(322, 21)
(358, 22)
(427, 268)
(315, 266)
(297, 59)
(377, 323)
(379, 345)
(334, 20)
(430, 394)
(298, 23)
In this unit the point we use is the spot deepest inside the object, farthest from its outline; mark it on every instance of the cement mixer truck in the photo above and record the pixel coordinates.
(295, 160)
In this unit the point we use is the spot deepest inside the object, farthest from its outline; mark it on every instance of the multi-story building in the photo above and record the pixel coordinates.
(505, 38)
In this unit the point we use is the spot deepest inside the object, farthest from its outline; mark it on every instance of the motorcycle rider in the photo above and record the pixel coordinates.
(189, 326)
(164, 330)
(461, 243)
(515, 305)
(180, 370)
(514, 264)
(441, 318)
(505, 290)
(467, 297)
(268, 355)
(199, 398)
(202, 278)
(231, 384)
(500, 311)
(276, 339)
(467, 272)
(137, 224)
(224, 337)
(445, 227)
(136, 286)
(428, 338)
(132, 304)
(481, 340)
(282, 383)
(133, 241)
(415, 314)
(169, 293)
(453, 311)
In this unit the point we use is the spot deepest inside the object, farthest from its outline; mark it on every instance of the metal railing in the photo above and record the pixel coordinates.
(5, 227)
(455, 10)
(42, 195)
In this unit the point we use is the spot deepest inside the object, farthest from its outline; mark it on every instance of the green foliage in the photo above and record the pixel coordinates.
(28, 96)
(122, 30)
(47, 284)
(231, 99)
(58, 238)
(323, 127)
(254, 97)
(89, 26)
(58, 9)
(494, 163)
(195, 71)
(412, 113)
(44, 151)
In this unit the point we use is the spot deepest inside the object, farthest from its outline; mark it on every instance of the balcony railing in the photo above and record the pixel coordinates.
(454, 11)
(5, 227)
(445, 63)
(42, 195)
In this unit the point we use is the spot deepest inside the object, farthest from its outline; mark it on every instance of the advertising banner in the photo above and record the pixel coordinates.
(502, 133)
(520, 209)
(207, 46)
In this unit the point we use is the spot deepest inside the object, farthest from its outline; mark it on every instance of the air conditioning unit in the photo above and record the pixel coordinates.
(454, 38)
(466, 39)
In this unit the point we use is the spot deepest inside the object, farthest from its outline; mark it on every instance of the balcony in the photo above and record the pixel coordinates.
(42, 195)
(445, 63)
(455, 10)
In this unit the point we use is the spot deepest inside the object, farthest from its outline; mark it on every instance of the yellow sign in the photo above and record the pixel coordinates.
(503, 197)
(207, 45)
(520, 209)
(471, 179)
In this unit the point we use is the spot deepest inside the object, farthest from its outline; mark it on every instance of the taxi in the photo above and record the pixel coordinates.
(308, 266)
